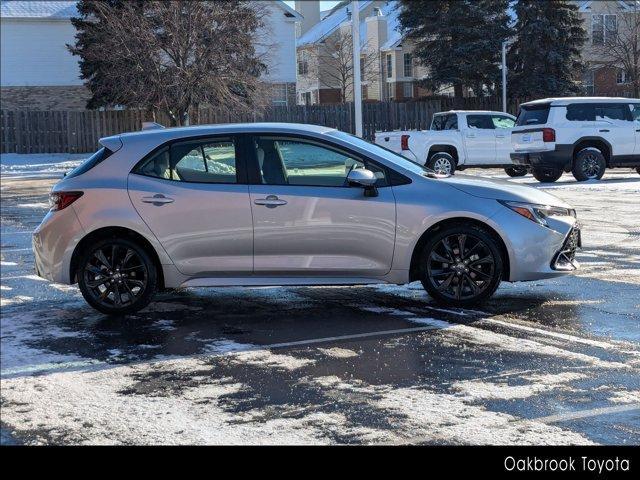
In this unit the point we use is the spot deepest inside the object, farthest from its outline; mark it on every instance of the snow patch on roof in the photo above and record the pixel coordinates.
(329, 24)
(38, 9)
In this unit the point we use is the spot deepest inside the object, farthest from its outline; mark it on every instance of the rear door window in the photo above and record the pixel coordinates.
(482, 122)
(581, 112)
(445, 122)
(613, 111)
(533, 115)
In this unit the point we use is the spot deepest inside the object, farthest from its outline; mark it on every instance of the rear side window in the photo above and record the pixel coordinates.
(90, 162)
(533, 115)
(581, 112)
(212, 161)
(635, 111)
(445, 122)
(613, 111)
(483, 122)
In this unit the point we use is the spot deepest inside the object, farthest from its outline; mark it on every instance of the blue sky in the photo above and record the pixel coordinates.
(324, 4)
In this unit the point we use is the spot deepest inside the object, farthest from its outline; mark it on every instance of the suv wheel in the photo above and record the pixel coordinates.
(116, 276)
(442, 163)
(516, 171)
(589, 164)
(461, 265)
(547, 175)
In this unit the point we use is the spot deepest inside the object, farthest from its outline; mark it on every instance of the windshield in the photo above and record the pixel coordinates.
(385, 153)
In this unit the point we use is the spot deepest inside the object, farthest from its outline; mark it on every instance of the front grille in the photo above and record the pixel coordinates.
(565, 258)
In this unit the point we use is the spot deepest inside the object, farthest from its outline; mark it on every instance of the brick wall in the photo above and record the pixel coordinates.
(44, 98)
(604, 84)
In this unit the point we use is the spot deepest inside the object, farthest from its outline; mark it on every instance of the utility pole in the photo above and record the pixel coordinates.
(504, 76)
(357, 80)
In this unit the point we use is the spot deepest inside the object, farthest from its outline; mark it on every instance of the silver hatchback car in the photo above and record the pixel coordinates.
(288, 204)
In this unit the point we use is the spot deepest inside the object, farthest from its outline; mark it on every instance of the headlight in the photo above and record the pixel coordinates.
(538, 213)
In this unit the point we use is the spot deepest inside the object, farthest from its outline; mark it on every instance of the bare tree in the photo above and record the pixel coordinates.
(618, 46)
(334, 60)
(171, 56)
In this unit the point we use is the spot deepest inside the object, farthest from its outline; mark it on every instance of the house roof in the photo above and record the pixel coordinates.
(38, 9)
(329, 24)
(62, 9)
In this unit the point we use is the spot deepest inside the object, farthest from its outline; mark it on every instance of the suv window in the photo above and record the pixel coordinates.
(445, 122)
(613, 111)
(581, 112)
(480, 121)
(210, 161)
(533, 115)
(635, 111)
(292, 161)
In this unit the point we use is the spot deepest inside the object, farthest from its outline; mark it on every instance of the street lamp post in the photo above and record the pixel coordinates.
(357, 81)
(504, 76)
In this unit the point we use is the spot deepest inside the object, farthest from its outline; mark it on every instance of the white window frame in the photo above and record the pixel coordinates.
(281, 89)
(621, 77)
(407, 67)
(389, 65)
(588, 81)
(605, 35)
(390, 90)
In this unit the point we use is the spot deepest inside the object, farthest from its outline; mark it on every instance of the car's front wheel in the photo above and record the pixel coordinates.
(117, 276)
(442, 163)
(589, 164)
(546, 175)
(461, 265)
(516, 171)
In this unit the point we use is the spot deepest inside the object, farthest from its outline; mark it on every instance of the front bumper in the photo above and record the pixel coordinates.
(560, 158)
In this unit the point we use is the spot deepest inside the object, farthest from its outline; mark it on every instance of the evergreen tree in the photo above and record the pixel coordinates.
(544, 59)
(459, 41)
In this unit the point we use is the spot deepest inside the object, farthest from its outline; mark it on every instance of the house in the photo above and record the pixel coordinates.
(389, 69)
(604, 21)
(39, 73)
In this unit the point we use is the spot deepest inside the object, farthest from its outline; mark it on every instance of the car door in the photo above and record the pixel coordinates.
(635, 114)
(480, 140)
(615, 124)
(308, 221)
(194, 197)
(503, 125)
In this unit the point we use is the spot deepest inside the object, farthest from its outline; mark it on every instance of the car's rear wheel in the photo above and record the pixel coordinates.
(117, 276)
(546, 175)
(516, 171)
(589, 164)
(442, 163)
(461, 265)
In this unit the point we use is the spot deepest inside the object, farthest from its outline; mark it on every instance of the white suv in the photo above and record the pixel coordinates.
(583, 135)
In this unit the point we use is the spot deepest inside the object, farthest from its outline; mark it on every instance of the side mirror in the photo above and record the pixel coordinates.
(363, 178)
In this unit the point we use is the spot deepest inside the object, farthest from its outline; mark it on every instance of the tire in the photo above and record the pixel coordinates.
(516, 171)
(638, 170)
(133, 275)
(442, 163)
(452, 283)
(588, 164)
(546, 175)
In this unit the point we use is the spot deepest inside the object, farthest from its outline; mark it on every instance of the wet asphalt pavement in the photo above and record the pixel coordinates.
(553, 361)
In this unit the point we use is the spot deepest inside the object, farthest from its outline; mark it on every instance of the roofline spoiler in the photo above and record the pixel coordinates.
(151, 126)
(113, 143)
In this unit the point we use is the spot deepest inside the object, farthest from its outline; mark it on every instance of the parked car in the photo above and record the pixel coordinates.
(457, 140)
(287, 204)
(582, 135)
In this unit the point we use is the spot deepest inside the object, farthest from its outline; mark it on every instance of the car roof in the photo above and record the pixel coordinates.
(481, 112)
(160, 135)
(561, 101)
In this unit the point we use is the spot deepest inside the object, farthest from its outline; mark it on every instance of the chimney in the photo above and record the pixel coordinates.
(310, 10)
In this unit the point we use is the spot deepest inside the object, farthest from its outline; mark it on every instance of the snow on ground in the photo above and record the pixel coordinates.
(36, 165)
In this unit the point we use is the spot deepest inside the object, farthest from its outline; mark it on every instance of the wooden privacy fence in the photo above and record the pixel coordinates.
(31, 131)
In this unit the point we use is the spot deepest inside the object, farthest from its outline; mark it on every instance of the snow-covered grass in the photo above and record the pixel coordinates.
(36, 165)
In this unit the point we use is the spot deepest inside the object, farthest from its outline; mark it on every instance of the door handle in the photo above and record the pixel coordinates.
(272, 201)
(604, 130)
(158, 199)
(500, 136)
(471, 135)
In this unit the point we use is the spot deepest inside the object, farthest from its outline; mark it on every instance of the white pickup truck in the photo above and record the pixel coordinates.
(457, 140)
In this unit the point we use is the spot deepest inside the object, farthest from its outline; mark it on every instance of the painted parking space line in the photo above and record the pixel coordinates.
(592, 412)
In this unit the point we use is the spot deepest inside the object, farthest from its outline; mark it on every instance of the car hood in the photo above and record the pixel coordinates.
(502, 190)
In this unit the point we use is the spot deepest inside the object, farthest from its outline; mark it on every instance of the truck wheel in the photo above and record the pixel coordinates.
(442, 163)
(547, 175)
(588, 164)
(516, 171)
